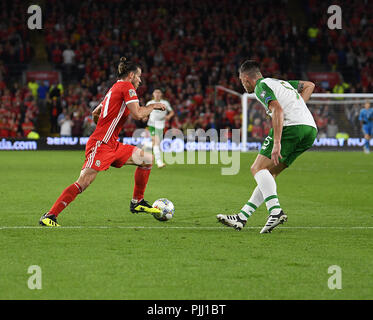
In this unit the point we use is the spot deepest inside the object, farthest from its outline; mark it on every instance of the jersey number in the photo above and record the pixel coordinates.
(106, 104)
(290, 88)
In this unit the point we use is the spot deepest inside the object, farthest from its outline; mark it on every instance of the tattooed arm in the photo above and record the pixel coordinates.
(305, 88)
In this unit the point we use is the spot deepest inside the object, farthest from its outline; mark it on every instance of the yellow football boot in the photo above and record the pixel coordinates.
(48, 220)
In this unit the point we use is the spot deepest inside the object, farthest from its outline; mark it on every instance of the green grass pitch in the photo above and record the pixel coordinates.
(102, 251)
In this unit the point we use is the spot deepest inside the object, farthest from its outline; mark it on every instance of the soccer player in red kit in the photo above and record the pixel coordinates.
(103, 148)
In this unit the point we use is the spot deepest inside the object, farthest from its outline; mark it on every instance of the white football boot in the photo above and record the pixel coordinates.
(160, 164)
(273, 221)
(233, 221)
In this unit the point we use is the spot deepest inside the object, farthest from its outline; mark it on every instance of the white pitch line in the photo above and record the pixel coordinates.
(171, 227)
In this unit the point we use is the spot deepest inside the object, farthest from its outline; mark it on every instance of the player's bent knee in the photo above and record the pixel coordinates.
(148, 160)
(86, 178)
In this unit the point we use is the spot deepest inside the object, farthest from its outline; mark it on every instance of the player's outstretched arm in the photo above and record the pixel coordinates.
(305, 88)
(139, 113)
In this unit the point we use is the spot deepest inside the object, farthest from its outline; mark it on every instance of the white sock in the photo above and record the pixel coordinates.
(267, 186)
(254, 202)
(157, 154)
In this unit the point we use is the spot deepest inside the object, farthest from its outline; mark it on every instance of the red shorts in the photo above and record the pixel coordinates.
(100, 156)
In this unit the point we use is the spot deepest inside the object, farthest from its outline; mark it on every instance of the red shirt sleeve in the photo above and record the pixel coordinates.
(130, 94)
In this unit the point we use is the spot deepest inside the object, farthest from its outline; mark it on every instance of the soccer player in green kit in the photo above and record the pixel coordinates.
(293, 132)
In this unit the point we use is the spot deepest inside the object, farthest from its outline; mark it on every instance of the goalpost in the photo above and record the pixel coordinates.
(244, 103)
(339, 102)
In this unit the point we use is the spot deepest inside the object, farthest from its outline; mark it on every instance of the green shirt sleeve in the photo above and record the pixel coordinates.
(294, 84)
(264, 94)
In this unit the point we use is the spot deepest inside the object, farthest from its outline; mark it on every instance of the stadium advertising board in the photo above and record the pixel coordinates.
(52, 77)
(168, 145)
(324, 79)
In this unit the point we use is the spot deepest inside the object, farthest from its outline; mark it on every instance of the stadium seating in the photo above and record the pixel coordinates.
(185, 48)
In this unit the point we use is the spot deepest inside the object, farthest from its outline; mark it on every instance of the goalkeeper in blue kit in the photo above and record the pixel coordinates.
(366, 119)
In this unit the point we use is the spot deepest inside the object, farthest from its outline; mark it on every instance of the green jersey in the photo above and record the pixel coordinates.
(286, 93)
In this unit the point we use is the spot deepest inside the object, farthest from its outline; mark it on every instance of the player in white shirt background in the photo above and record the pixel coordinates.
(156, 124)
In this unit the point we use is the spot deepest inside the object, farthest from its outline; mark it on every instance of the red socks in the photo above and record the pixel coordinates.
(141, 180)
(68, 195)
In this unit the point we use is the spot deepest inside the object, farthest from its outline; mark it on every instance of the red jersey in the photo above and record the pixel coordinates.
(114, 112)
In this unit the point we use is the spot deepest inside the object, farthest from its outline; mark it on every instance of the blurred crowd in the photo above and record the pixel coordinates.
(185, 48)
(347, 50)
(18, 112)
(15, 47)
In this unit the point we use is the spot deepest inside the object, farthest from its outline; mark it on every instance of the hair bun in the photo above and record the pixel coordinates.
(125, 67)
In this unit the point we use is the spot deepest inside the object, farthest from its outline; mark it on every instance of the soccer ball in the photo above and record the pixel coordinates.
(166, 207)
